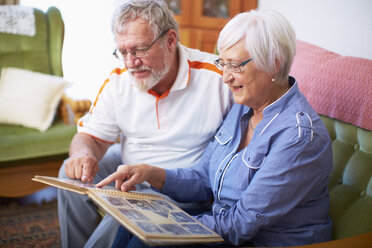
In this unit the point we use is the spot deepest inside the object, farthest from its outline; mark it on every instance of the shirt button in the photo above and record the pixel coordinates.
(301, 113)
(356, 147)
(258, 216)
(220, 170)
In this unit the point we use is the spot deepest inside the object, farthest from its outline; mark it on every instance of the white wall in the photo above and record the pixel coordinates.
(88, 45)
(342, 26)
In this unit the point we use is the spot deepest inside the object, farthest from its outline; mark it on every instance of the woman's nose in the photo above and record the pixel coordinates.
(227, 76)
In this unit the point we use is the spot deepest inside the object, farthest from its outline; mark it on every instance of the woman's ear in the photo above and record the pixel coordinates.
(277, 66)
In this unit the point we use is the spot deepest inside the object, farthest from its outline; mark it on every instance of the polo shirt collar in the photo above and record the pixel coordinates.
(183, 75)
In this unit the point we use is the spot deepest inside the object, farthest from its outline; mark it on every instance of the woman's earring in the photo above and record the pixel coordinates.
(273, 80)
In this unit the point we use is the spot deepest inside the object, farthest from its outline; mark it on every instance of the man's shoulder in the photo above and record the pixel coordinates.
(198, 60)
(197, 55)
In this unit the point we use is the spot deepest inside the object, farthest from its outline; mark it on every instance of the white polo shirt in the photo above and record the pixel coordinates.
(168, 131)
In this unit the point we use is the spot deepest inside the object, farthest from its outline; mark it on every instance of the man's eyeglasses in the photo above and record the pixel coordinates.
(232, 67)
(138, 52)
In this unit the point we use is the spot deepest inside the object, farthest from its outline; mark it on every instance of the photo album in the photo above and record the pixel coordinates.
(150, 217)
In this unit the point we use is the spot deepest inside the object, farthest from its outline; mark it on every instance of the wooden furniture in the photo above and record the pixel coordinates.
(202, 20)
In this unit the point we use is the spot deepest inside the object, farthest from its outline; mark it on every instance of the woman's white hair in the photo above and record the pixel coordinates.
(269, 39)
(156, 12)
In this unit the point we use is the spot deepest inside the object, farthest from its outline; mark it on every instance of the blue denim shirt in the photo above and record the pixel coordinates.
(274, 191)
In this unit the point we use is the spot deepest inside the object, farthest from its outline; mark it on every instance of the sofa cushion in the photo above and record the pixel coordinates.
(336, 86)
(24, 143)
(29, 98)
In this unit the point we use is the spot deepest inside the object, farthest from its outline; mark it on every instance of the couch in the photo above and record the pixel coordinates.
(339, 88)
(26, 151)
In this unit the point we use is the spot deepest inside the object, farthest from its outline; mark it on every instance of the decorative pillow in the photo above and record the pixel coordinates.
(29, 98)
(337, 86)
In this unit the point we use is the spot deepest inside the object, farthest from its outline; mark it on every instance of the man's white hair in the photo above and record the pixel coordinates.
(156, 12)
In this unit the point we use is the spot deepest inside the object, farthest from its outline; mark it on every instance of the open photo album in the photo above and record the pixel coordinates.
(152, 218)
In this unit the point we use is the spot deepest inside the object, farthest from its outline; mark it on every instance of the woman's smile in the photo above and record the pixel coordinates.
(235, 89)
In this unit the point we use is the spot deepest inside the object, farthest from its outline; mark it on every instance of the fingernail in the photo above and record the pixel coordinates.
(84, 178)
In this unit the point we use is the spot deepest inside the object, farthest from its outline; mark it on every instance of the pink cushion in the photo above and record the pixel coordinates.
(336, 86)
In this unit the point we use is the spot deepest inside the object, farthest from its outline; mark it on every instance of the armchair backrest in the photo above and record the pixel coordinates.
(339, 88)
(40, 53)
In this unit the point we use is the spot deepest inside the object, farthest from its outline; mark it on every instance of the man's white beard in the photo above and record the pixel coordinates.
(149, 82)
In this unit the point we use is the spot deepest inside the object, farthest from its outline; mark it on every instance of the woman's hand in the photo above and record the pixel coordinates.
(127, 176)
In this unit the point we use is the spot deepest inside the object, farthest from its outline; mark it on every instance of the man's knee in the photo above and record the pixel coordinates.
(62, 173)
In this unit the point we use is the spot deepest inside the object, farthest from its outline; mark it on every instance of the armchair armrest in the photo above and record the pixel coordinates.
(72, 110)
(359, 241)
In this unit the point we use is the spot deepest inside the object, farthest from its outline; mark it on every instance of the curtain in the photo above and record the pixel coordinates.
(6, 2)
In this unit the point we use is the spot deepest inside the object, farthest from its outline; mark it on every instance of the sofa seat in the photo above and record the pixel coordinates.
(19, 143)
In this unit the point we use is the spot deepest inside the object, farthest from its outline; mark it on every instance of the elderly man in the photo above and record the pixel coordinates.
(165, 105)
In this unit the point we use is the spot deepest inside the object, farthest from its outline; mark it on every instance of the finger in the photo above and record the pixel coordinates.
(118, 183)
(129, 184)
(109, 179)
(78, 170)
(87, 171)
(69, 168)
(122, 179)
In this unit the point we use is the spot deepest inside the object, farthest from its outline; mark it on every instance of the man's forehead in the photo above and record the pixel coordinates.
(137, 27)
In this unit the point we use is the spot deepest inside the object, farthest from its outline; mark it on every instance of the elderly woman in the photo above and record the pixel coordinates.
(267, 167)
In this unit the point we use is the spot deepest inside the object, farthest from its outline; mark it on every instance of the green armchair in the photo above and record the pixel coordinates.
(25, 152)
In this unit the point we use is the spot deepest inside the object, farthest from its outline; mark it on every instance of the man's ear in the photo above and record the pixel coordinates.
(171, 37)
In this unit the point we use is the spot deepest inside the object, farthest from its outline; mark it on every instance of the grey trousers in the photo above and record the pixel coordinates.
(80, 221)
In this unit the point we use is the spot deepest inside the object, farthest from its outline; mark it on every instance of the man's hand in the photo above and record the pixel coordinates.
(81, 166)
(127, 176)
(85, 152)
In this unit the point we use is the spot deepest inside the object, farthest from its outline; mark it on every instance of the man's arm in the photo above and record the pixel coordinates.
(85, 152)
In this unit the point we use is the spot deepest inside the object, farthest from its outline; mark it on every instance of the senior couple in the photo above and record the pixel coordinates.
(232, 129)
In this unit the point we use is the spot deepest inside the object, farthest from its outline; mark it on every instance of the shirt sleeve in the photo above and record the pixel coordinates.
(190, 184)
(290, 173)
(101, 122)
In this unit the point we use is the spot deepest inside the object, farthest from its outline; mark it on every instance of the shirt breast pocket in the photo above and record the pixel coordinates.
(222, 136)
(221, 143)
(253, 160)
